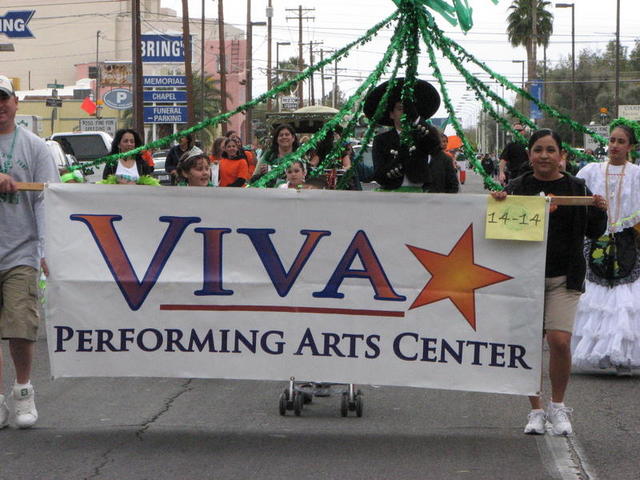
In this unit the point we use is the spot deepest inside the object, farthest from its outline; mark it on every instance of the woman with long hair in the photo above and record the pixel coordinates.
(128, 169)
(283, 142)
(607, 330)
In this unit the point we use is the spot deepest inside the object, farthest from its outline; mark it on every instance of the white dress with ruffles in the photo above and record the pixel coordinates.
(607, 326)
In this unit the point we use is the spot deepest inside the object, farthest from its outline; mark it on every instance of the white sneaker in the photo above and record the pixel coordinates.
(4, 412)
(24, 405)
(536, 424)
(560, 422)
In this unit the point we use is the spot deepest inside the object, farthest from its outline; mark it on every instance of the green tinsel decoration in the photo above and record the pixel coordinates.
(162, 142)
(312, 143)
(464, 55)
(414, 19)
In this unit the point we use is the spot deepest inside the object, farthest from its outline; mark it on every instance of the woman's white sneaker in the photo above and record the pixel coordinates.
(24, 405)
(536, 424)
(560, 421)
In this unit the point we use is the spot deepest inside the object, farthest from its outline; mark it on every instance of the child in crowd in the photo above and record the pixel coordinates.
(233, 170)
(295, 175)
(194, 171)
(315, 183)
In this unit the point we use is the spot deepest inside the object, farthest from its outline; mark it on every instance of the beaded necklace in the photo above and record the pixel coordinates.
(7, 162)
(618, 194)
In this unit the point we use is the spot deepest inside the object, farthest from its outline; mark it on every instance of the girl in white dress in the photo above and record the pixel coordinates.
(607, 326)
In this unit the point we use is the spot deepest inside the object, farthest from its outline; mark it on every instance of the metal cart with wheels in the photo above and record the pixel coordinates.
(297, 394)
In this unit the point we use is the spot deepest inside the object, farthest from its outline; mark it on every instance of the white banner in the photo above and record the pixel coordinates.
(353, 287)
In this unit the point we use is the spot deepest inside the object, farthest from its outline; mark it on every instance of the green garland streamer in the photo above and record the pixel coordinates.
(379, 112)
(412, 49)
(331, 124)
(381, 109)
(457, 12)
(464, 55)
(413, 19)
(467, 148)
(285, 86)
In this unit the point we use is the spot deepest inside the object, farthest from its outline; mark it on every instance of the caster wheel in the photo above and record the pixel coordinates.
(359, 403)
(298, 401)
(344, 404)
(282, 404)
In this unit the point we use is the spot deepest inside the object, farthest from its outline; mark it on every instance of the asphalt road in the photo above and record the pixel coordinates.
(132, 428)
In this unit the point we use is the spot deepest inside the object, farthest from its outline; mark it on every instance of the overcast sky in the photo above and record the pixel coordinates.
(338, 22)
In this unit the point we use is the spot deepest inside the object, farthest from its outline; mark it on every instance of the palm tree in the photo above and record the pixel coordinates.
(520, 29)
(285, 71)
(211, 106)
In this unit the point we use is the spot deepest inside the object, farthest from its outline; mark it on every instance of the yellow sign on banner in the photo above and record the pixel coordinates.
(516, 218)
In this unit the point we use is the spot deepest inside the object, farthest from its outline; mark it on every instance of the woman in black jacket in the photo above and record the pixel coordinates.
(565, 267)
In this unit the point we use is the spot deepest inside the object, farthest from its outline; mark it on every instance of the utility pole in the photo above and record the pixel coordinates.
(574, 114)
(269, 40)
(617, 99)
(186, 38)
(533, 59)
(136, 57)
(97, 94)
(300, 17)
(202, 64)
(312, 95)
(322, 77)
(322, 52)
(335, 84)
(223, 64)
(248, 119)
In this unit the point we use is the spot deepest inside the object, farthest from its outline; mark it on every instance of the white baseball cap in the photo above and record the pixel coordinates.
(6, 86)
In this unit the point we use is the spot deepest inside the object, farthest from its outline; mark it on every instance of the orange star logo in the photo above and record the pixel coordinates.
(455, 276)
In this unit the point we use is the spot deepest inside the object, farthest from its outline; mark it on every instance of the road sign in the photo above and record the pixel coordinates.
(630, 112)
(289, 102)
(589, 142)
(14, 24)
(119, 99)
(162, 48)
(99, 125)
(164, 81)
(165, 114)
(53, 102)
(55, 85)
(167, 96)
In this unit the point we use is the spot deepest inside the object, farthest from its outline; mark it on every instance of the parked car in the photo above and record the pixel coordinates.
(85, 147)
(159, 172)
(62, 160)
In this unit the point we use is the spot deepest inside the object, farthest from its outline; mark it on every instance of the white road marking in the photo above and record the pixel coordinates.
(564, 457)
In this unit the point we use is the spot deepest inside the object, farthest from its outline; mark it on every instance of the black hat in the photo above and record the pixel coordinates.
(426, 100)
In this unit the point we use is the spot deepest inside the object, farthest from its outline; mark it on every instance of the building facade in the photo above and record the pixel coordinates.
(69, 38)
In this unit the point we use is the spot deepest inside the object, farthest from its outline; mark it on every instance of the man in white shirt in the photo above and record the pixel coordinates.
(24, 157)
